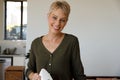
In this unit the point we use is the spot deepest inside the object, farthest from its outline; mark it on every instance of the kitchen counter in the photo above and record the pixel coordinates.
(2, 55)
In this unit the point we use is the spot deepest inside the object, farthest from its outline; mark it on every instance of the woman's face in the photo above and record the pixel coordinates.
(57, 20)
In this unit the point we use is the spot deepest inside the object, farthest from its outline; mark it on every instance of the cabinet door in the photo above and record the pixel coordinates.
(14, 75)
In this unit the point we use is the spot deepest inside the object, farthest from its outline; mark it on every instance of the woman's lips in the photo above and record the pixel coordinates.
(56, 27)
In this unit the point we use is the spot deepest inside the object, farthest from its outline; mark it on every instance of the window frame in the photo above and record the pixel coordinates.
(21, 21)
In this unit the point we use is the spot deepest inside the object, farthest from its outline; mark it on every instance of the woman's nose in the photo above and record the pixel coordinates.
(57, 22)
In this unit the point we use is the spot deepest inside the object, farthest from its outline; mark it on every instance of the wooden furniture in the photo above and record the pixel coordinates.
(15, 73)
(106, 79)
(103, 77)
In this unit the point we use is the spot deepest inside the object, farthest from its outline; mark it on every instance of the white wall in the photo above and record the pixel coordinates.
(97, 25)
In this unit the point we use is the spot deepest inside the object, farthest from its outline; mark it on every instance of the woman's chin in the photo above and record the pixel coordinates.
(56, 32)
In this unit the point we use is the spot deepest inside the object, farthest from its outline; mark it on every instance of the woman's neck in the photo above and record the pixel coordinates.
(54, 37)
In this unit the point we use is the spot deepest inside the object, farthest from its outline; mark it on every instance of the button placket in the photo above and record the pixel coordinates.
(50, 62)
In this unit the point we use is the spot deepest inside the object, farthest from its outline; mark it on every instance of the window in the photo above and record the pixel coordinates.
(15, 19)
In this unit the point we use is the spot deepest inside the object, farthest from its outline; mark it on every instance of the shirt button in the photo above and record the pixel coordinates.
(49, 64)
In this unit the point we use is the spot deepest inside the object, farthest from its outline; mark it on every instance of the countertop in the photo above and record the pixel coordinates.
(20, 55)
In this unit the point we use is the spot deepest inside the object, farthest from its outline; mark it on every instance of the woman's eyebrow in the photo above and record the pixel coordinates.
(54, 15)
(57, 16)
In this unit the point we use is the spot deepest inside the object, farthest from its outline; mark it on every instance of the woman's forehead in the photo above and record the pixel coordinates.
(59, 12)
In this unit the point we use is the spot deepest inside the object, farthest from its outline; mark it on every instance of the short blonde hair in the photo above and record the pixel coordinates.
(60, 5)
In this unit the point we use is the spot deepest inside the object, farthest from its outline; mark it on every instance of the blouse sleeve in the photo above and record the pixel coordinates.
(77, 66)
(31, 63)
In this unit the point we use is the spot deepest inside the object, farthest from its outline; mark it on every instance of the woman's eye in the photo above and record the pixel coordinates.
(54, 18)
(62, 20)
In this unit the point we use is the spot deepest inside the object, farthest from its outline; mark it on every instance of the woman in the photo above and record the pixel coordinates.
(56, 51)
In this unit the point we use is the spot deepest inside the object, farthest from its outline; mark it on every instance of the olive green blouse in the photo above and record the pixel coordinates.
(63, 64)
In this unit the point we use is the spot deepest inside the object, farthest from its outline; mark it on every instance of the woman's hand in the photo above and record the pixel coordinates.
(34, 76)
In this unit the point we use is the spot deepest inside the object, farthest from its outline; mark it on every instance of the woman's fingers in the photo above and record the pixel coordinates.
(36, 76)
